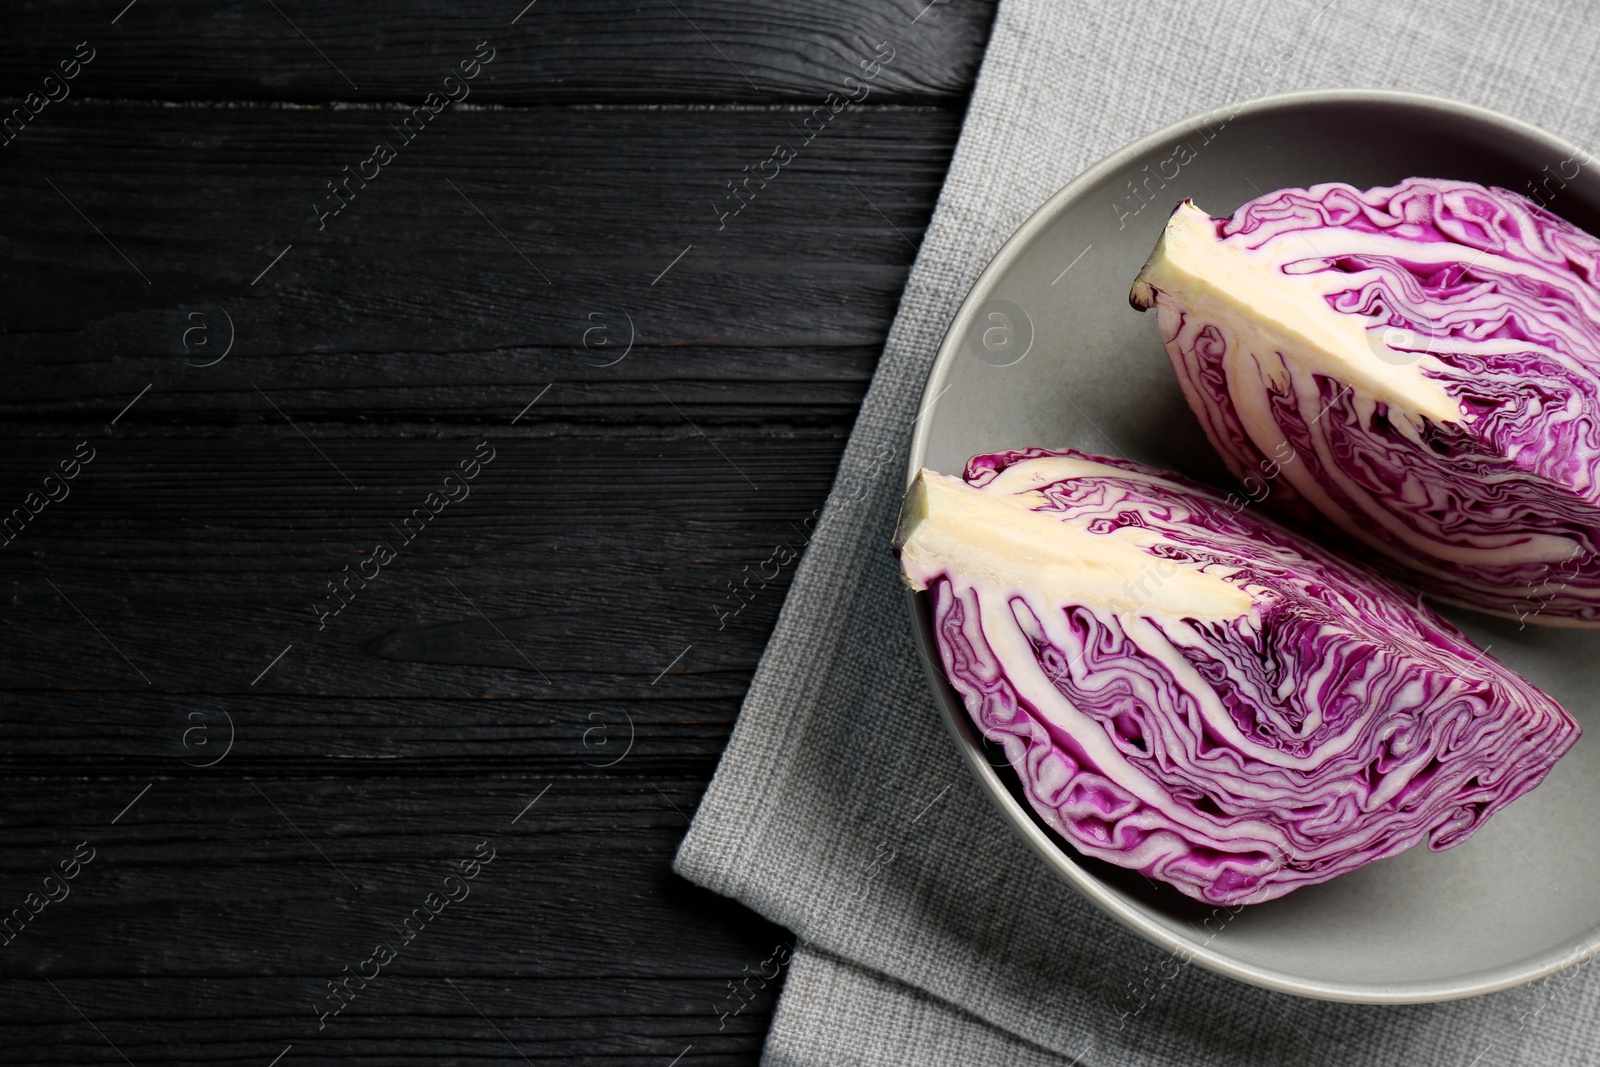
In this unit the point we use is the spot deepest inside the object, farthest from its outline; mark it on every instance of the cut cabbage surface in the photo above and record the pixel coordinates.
(1418, 364)
(1190, 690)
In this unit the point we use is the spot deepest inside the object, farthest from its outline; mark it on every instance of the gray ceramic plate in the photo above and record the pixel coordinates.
(1046, 351)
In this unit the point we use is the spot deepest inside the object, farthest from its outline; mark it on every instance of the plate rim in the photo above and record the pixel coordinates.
(958, 723)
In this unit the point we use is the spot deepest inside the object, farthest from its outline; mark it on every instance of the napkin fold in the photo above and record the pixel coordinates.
(928, 932)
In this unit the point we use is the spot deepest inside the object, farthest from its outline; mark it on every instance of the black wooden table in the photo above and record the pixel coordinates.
(396, 403)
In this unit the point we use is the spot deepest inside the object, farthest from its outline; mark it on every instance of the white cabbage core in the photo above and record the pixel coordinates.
(994, 537)
(1282, 323)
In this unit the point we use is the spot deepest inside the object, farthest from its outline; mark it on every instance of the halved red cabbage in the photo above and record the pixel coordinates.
(1420, 363)
(1192, 691)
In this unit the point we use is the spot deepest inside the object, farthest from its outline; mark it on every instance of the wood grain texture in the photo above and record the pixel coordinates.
(599, 559)
(207, 928)
(554, 271)
(600, 51)
(442, 260)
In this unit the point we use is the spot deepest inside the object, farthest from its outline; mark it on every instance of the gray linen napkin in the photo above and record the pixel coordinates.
(929, 933)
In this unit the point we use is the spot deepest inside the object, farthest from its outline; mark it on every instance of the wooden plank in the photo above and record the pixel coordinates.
(575, 938)
(613, 1020)
(594, 52)
(312, 871)
(439, 260)
(54, 739)
(605, 381)
(593, 561)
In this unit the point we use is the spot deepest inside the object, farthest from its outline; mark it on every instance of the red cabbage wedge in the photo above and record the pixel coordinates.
(1190, 690)
(1420, 363)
